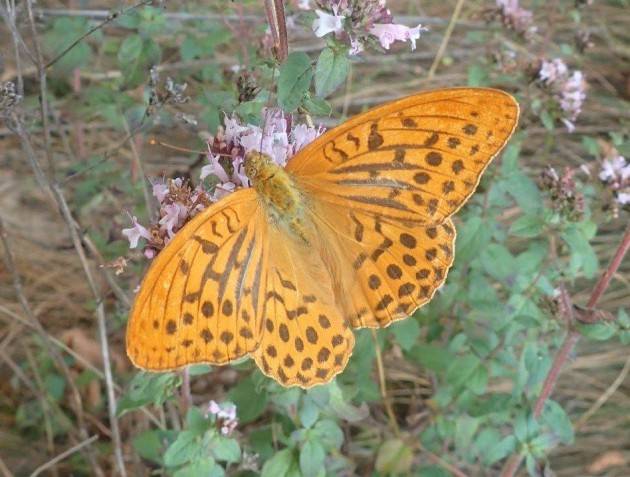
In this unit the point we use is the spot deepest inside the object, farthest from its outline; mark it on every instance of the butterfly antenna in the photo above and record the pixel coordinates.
(153, 141)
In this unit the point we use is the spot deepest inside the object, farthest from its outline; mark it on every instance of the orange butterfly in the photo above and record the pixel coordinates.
(355, 232)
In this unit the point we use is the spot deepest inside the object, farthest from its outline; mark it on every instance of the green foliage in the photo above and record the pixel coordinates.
(331, 70)
(294, 81)
(136, 56)
(474, 360)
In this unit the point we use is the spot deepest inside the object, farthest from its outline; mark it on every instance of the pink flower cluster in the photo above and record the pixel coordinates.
(615, 173)
(567, 88)
(278, 138)
(179, 201)
(225, 416)
(361, 23)
(515, 17)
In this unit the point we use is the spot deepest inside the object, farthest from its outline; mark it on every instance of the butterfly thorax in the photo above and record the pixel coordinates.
(278, 191)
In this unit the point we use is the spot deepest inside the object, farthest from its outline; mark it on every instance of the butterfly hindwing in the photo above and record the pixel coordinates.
(416, 159)
(305, 339)
(201, 299)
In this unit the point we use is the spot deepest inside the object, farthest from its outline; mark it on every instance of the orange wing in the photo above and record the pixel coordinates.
(417, 159)
(305, 339)
(202, 298)
(382, 270)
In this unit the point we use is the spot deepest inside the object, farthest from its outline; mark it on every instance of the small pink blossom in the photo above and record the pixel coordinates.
(615, 173)
(516, 17)
(326, 23)
(615, 168)
(389, 33)
(568, 89)
(136, 232)
(358, 23)
(225, 415)
(160, 189)
(173, 216)
(552, 71)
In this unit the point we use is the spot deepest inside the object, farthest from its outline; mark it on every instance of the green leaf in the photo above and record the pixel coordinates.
(199, 369)
(308, 412)
(279, 465)
(406, 332)
(465, 429)
(61, 36)
(498, 261)
(601, 331)
(148, 388)
(394, 457)
(185, 447)
(477, 75)
(436, 358)
(250, 401)
(547, 120)
(343, 409)
(205, 467)
(582, 254)
(196, 422)
(472, 238)
(527, 226)
(331, 70)
(329, 434)
(558, 421)
(317, 106)
(225, 449)
(501, 450)
(468, 371)
(149, 445)
(55, 385)
(294, 80)
(525, 192)
(433, 471)
(136, 57)
(312, 458)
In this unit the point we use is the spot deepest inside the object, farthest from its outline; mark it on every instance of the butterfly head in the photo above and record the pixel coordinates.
(258, 166)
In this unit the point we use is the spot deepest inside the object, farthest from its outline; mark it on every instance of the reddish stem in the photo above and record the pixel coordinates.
(512, 465)
(278, 25)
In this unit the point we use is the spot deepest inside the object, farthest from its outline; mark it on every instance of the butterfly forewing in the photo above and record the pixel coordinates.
(417, 159)
(202, 298)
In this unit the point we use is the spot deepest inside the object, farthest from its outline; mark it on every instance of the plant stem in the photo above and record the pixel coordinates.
(512, 465)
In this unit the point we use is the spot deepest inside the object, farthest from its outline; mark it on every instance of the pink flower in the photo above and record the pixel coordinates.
(326, 23)
(134, 233)
(225, 415)
(552, 71)
(279, 140)
(615, 173)
(515, 17)
(160, 189)
(567, 89)
(173, 216)
(389, 33)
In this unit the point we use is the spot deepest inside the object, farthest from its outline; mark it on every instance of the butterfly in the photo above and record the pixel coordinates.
(354, 232)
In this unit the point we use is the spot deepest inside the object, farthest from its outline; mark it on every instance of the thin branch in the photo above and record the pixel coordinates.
(383, 385)
(605, 396)
(63, 455)
(278, 26)
(446, 39)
